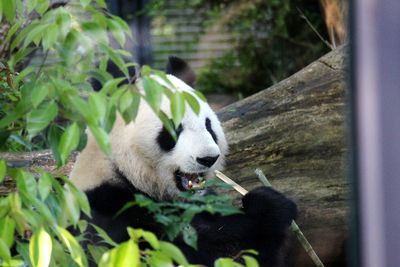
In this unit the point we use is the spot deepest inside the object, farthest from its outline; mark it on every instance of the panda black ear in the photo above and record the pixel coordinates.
(180, 69)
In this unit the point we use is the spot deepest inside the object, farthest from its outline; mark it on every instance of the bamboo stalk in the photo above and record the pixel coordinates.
(293, 227)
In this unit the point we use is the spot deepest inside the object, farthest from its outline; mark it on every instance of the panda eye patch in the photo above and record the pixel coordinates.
(165, 140)
(210, 130)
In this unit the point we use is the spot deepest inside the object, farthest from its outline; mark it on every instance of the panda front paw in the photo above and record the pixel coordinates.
(270, 207)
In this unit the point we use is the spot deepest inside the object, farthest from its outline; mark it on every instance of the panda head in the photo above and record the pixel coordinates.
(149, 157)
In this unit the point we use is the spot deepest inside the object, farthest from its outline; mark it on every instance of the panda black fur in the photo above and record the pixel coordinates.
(145, 159)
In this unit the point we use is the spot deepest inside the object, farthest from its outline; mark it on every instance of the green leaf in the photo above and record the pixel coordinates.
(102, 138)
(190, 236)
(73, 247)
(7, 228)
(117, 31)
(3, 169)
(35, 35)
(83, 108)
(13, 29)
(129, 105)
(39, 118)
(226, 262)
(50, 38)
(106, 238)
(153, 93)
(250, 261)
(79, 195)
(167, 124)
(71, 205)
(39, 93)
(174, 252)
(201, 96)
(84, 3)
(30, 5)
(126, 254)
(98, 105)
(110, 85)
(42, 6)
(9, 10)
(26, 183)
(192, 101)
(53, 137)
(151, 239)
(44, 186)
(96, 252)
(68, 142)
(4, 251)
(40, 247)
(177, 108)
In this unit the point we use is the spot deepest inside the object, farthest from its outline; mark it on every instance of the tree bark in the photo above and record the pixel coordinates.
(295, 132)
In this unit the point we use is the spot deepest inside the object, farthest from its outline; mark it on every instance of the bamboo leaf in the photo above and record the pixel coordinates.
(177, 108)
(192, 101)
(40, 247)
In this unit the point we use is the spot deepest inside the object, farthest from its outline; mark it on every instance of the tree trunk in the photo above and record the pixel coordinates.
(295, 132)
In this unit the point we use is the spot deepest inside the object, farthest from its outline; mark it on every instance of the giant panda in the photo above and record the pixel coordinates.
(146, 159)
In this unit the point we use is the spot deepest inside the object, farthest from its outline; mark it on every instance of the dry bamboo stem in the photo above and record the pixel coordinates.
(294, 227)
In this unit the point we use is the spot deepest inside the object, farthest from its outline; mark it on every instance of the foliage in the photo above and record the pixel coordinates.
(271, 41)
(176, 215)
(49, 54)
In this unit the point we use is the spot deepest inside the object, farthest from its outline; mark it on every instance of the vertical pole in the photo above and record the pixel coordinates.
(376, 64)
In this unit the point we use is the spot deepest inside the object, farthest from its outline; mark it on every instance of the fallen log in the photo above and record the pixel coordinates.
(295, 132)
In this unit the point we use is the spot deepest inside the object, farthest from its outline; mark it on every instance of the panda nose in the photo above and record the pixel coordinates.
(207, 161)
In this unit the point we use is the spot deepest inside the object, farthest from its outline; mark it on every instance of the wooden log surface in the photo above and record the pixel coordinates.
(295, 132)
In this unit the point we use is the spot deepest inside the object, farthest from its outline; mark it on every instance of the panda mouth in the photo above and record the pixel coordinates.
(188, 181)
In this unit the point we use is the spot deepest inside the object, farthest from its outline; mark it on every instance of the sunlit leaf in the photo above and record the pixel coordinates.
(250, 261)
(177, 108)
(73, 247)
(193, 102)
(7, 228)
(4, 251)
(126, 254)
(40, 247)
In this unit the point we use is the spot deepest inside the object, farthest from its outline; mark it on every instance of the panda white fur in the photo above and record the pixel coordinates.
(146, 159)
